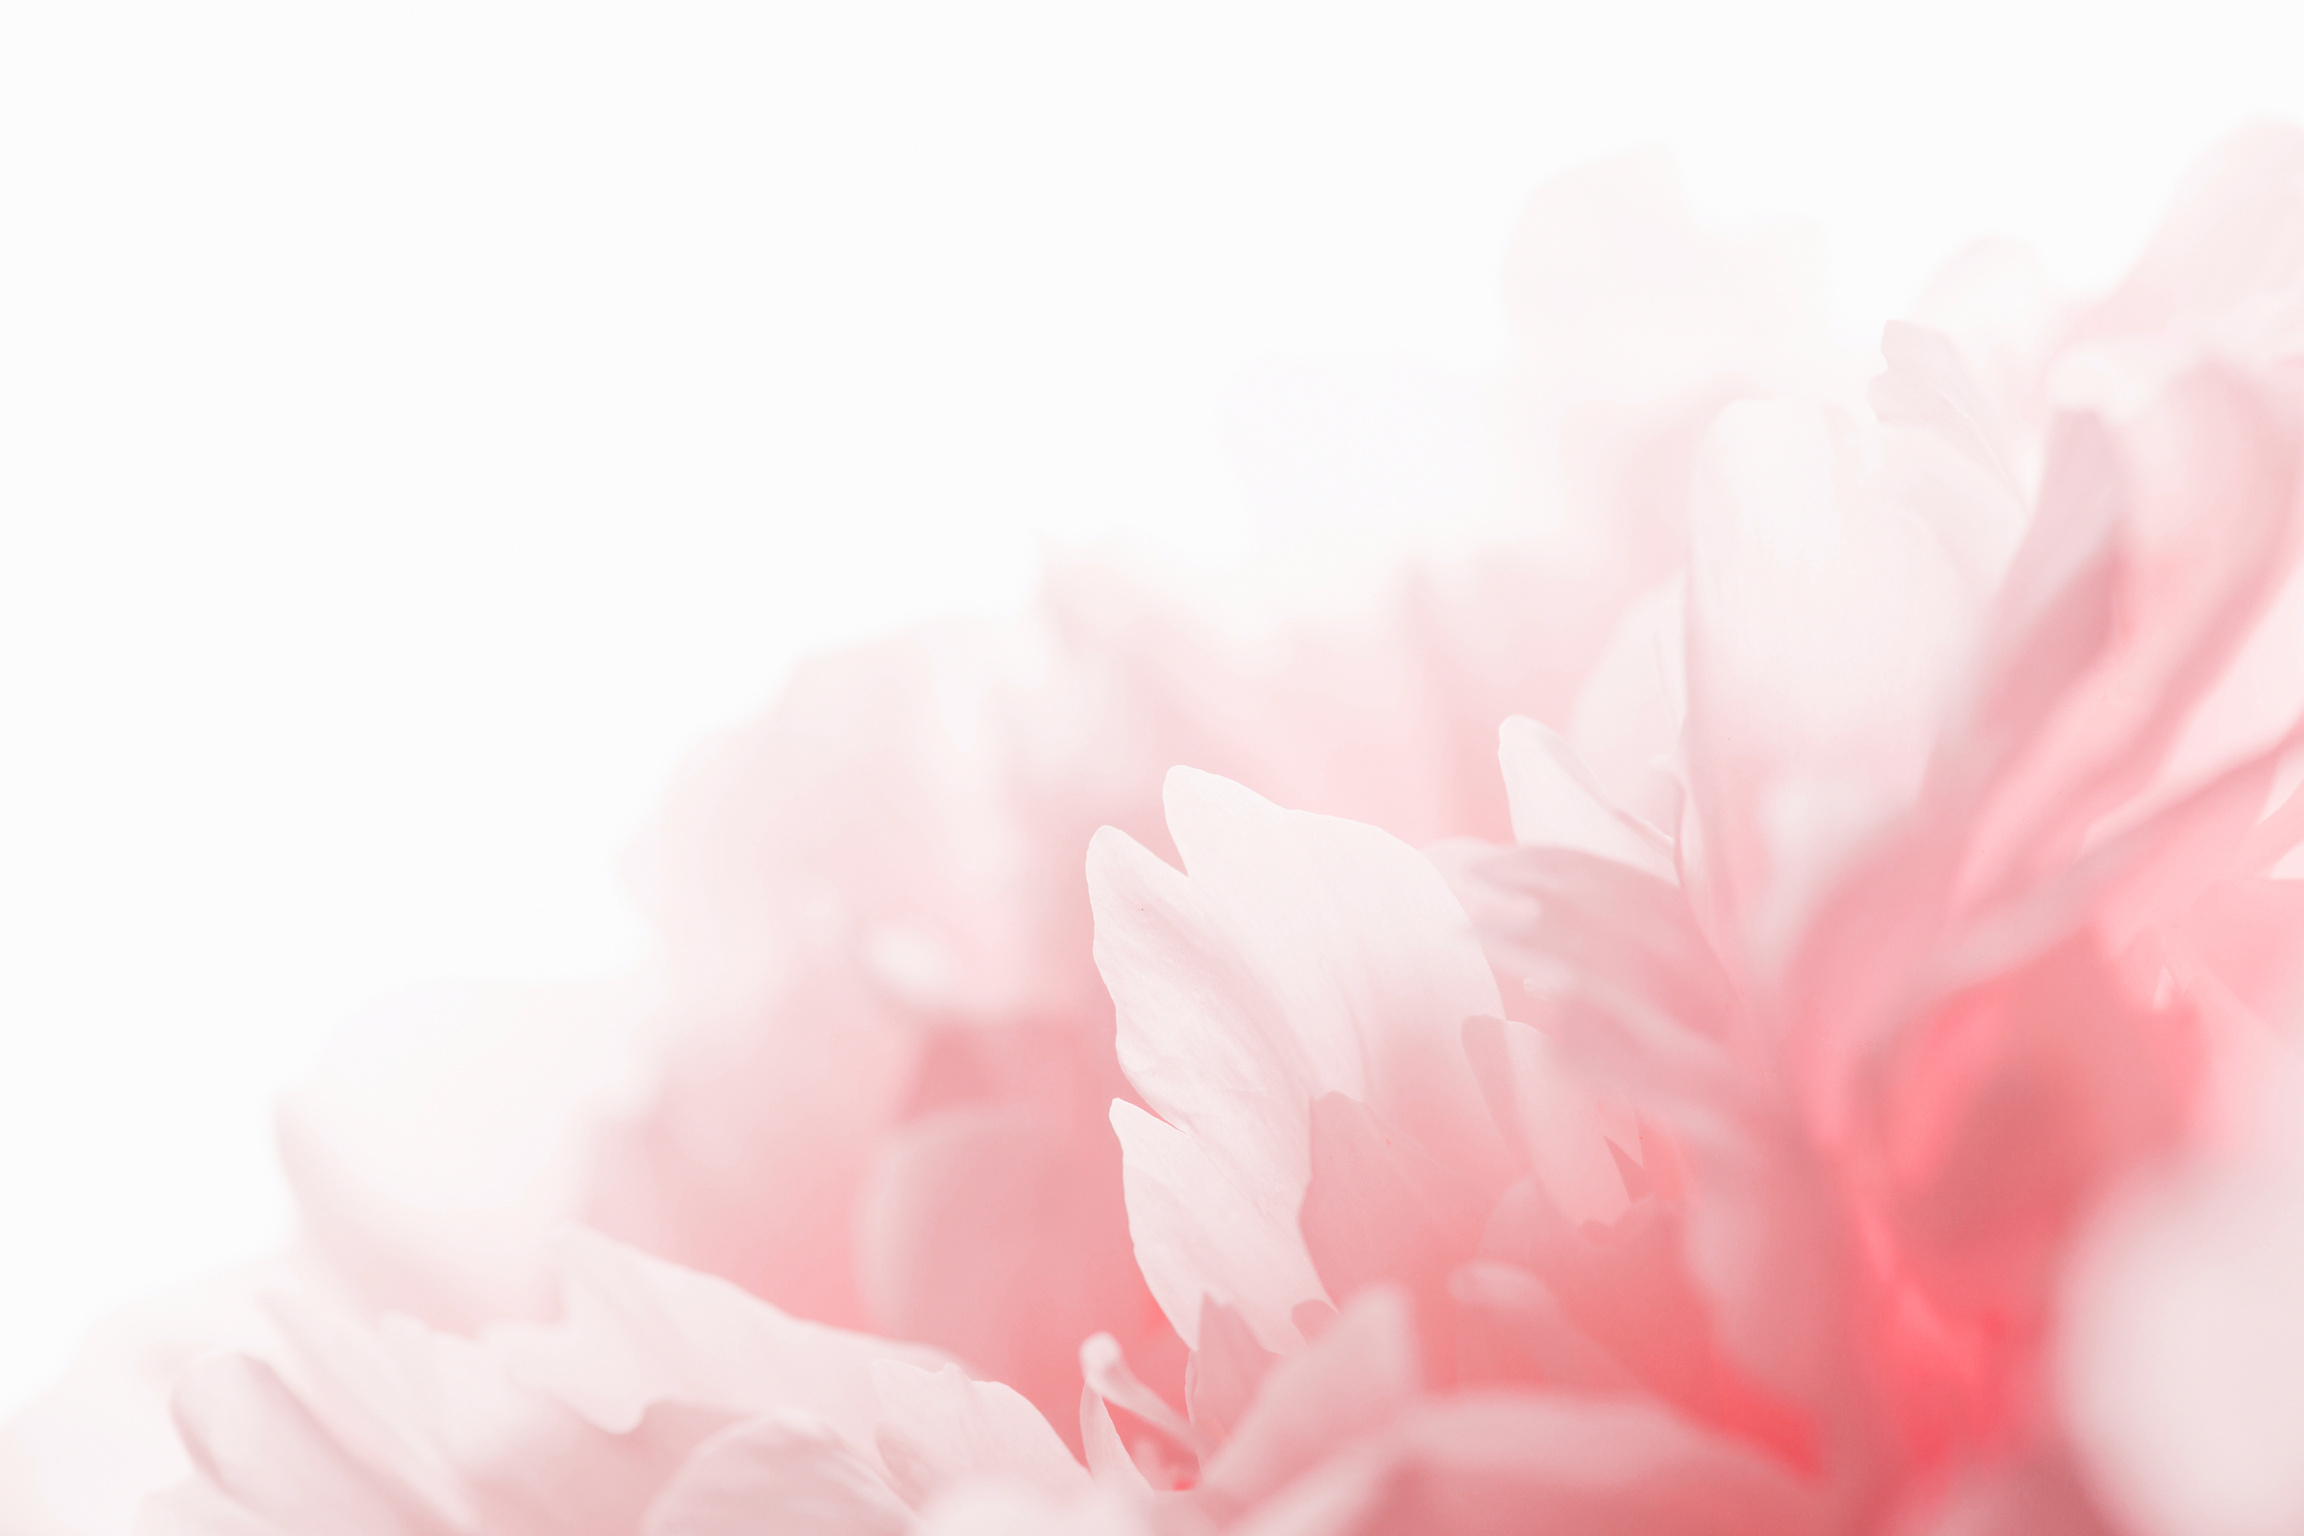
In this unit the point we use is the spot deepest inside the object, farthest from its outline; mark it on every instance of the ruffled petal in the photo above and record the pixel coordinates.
(636, 1332)
(1295, 955)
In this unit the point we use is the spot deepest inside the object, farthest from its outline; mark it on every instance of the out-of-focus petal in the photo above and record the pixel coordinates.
(2039, 1495)
(1955, 462)
(2227, 258)
(2004, 1114)
(1512, 1330)
(1995, 305)
(253, 1441)
(1618, 293)
(2250, 935)
(2204, 484)
(636, 1331)
(978, 1205)
(433, 1421)
(703, 1177)
(1828, 626)
(81, 1457)
(2182, 1359)
(1625, 723)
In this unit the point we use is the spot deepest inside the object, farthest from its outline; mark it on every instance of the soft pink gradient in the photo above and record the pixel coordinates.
(874, 1087)
(1766, 1005)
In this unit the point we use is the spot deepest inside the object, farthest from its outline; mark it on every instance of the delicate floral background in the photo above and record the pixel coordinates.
(1860, 1096)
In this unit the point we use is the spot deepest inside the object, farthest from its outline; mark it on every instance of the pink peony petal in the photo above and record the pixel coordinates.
(2182, 1354)
(1296, 955)
(636, 1332)
(2204, 479)
(262, 1449)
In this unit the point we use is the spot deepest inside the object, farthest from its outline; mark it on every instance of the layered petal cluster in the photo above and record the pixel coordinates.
(1902, 887)
(661, 1401)
(870, 1081)
(1767, 1004)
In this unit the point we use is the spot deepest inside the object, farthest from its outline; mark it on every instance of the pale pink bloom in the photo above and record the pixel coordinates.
(1895, 794)
(1864, 968)
(893, 1111)
(873, 1085)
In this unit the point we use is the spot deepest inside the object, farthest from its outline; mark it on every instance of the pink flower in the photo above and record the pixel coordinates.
(1829, 1012)
(873, 1086)
(1807, 1080)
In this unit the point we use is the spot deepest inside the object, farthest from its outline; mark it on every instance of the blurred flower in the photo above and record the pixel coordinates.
(1880, 902)
(1897, 908)
(873, 1086)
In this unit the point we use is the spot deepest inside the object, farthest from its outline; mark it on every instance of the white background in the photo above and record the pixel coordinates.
(420, 423)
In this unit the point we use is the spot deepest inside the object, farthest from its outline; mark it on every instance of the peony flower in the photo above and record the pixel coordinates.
(872, 1084)
(1804, 1075)
(1772, 1078)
